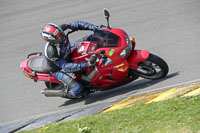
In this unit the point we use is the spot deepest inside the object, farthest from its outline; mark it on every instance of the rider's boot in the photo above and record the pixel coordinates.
(84, 93)
(74, 89)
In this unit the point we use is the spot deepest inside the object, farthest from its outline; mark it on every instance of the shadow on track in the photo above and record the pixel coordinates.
(134, 86)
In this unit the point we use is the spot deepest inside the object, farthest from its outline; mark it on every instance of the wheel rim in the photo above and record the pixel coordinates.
(148, 69)
(56, 86)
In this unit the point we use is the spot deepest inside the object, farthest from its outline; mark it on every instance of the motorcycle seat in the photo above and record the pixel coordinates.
(38, 64)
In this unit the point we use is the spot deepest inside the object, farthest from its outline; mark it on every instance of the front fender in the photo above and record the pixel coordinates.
(137, 56)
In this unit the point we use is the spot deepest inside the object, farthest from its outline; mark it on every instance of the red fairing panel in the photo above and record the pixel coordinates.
(137, 56)
(38, 76)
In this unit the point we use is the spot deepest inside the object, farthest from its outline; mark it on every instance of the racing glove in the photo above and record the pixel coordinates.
(92, 61)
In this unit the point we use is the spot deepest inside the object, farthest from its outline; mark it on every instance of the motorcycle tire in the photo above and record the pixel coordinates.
(55, 86)
(153, 67)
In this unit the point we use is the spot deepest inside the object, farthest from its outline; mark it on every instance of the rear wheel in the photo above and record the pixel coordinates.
(153, 67)
(55, 86)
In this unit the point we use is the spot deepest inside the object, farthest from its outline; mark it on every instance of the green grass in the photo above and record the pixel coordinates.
(179, 115)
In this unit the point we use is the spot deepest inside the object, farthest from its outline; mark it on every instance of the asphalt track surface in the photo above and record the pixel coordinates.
(167, 28)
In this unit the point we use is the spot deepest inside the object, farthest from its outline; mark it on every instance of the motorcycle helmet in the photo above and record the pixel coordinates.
(52, 33)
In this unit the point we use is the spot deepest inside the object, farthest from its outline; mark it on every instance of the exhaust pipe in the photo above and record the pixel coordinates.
(54, 93)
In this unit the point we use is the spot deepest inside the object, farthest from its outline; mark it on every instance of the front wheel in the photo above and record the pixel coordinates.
(153, 67)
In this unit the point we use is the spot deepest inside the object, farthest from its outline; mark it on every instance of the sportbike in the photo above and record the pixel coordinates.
(117, 63)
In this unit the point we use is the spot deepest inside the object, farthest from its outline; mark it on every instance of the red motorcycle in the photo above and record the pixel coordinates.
(117, 63)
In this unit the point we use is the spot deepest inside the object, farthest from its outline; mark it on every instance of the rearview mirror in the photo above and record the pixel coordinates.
(107, 16)
(106, 13)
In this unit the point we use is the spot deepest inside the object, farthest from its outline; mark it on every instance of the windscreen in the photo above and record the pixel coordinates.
(102, 39)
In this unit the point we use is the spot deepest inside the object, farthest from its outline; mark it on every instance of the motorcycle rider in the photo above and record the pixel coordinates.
(57, 53)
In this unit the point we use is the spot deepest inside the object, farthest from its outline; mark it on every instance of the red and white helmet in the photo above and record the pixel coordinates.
(52, 33)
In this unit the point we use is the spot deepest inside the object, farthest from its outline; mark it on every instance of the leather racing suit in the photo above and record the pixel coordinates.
(60, 56)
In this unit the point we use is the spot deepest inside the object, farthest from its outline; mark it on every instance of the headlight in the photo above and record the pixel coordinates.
(128, 41)
(125, 52)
